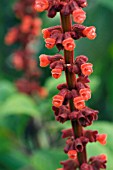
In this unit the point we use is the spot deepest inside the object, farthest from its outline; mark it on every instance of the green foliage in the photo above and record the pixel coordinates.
(13, 102)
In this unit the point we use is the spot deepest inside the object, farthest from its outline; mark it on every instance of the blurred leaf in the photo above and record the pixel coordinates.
(6, 89)
(47, 159)
(19, 104)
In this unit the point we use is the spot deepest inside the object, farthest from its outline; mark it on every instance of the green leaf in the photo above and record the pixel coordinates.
(6, 90)
(19, 104)
(47, 159)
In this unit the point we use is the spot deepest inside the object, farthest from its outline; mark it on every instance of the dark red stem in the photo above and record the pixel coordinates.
(66, 23)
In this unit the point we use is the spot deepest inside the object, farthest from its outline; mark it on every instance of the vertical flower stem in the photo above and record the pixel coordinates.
(71, 82)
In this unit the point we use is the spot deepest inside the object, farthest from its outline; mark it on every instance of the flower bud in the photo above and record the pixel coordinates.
(79, 102)
(86, 68)
(41, 5)
(56, 73)
(89, 32)
(79, 16)
(57, 100)
(44, 60)
(69, 44)
(85, 93)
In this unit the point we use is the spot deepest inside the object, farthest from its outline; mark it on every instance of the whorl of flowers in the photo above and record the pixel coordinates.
(24, 34)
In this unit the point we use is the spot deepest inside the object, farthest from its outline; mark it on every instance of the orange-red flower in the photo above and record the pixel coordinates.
(44, 60)
(56, 72)
(11, 36)
(102, 157)
(41, 5)
(72, 154)
(79, 15)
(18, 61)
(50, 42)
(46, 33)
(79, 102)
(57, 100)
(26, 24)
(69, 44)
(89, 32)
(85, 93)
(86, 68)
(42, 92)
(101, 138)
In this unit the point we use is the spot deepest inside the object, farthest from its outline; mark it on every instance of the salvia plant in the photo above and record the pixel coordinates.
(69, 103)
(25, 35)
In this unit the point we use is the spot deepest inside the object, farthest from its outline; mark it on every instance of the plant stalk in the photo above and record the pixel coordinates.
(66, 23)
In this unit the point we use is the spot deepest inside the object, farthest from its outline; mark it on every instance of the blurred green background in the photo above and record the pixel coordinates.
(30, 139)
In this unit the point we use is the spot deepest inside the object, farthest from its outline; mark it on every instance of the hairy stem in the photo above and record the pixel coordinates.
(71, 82)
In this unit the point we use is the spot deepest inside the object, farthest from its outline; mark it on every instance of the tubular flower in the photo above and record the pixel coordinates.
(85, 93)
(86, 68)
(72, 154)
(46, 33)
(101, 138)
(44, 60)
(41, 5)
(68, 44)
(18, 61)
(79, 16)
(26, 24)
(57, 100)
(50, 42)
(56, 73)
(11, 36)
(79, 102)
(89, 32)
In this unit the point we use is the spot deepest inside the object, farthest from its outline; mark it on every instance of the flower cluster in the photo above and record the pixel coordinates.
(24, 34)
(69, 103)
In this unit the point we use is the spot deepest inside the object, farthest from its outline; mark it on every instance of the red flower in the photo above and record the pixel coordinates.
(26, 24)
(79, 15)
(72, 154)
(102, 157)
(41, 5)
(87, 68)
(50, 42)
(11, 36)
(44, 60)
(85, 93)
(46, 33)
(89, 32)
(101, 138)
(56, 73)
(69, 44)
(79, 102)
(57, 100)
(18, 61)
(42, 92)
